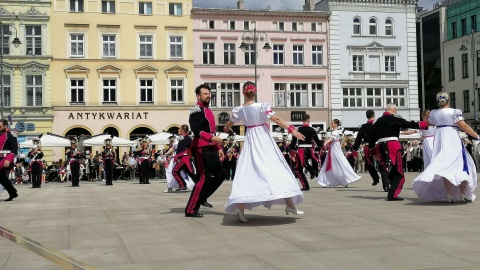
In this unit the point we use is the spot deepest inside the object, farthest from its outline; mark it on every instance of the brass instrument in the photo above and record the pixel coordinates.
(81, 144)
(230, 150)
(37, 144)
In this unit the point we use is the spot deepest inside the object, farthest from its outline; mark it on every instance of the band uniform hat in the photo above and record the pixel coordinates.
(73, 142)
(108, 142)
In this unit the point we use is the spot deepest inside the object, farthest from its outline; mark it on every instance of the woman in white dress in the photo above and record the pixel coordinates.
(172, 184)
(336, 169)
(263, 177)
(428, 138)
(451, 173)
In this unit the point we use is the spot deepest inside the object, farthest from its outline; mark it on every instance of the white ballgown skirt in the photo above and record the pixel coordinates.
(427, 149)
(450, 160)
(263, 177)
(172, 183)
(341, 173)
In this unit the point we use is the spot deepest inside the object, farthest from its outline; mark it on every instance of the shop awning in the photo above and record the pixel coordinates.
(99, 140)
(48, 140)
(160, 138)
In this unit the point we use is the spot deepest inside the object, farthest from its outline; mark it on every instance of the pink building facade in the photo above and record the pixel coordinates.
(293, 76)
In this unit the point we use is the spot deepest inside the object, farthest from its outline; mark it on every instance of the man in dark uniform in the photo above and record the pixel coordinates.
(364, 134)
(305, 151)
(36, 164)
(207, 151)
(231, 151)
(108, 156)
(74, 156)
(183, 158)
(144, 155)
(8, 151)
(388, 150)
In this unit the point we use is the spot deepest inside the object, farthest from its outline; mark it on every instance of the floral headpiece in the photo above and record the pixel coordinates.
(442, 98)
(250, 87)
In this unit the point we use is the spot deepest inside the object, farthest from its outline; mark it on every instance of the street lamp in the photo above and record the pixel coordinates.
(255, 36)
(16, 42)
(464, 48)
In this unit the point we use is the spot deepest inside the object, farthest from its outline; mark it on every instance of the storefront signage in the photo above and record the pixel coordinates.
(297, 115)
(22, 126)
(108, 116)
(223, 118)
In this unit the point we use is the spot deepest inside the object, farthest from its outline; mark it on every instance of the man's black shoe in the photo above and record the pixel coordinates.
(385, 189)
(305, 189)
(375, 182)
(194, 215)
(12, 197)
(206, 204)
(394, 199)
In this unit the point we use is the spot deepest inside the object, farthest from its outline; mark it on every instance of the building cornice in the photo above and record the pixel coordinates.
(384, 6)
(207, 12)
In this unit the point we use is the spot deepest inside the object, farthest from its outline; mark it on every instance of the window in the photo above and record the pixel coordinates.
(374, 97)
(109, 91)
(474, 23)
(279, 26)
(229, 54)
(396, 96)
(77, 91)
(176, 91)
(372, 26)
(77, 43)
(294, 26)
(229, 25)
(453, 102)
(317, 55)
(176, 47)
(213, 94)
(466, 101)
(34, 39)
(108, 46)
(76, 5)
(208, 53)
(454, 30)
(6, 39)
(246, 25)
(451, 69)
(352, 97)
(175, 9)
(278, 54)
(146, 91)
(146, 46)
(465, 65)
(250, 54)
(389, 63)
(317, 95)
(34, 90)
(298, 54)
(388, 27)
(230, 94)
(280, 90)
(6, 83)
(464, 27)
(357, 26)
(108, 6)
(357, 63)
(314, 27)
(298, 95)
(145, 8)
(211, 25)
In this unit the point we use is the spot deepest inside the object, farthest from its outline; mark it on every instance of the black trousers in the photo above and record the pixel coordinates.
(233, 167)
(108, 167)
(6, 183)
(75, 170)
(36, 174)
(210, 175)
(145, 171)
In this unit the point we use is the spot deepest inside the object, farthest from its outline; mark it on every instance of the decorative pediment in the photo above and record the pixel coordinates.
(4, 12)
(146, 69)
(374, 45)
(34, 67)
(32, 12)
(7, 67)
(175, 70)
(109, 69)
(76, 69)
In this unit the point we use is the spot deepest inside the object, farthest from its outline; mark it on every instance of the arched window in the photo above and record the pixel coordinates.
(373, 26)
(357, 26)
(389, 27)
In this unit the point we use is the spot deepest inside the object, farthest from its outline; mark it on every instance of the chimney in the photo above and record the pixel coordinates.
(240, 4)
(309, 5)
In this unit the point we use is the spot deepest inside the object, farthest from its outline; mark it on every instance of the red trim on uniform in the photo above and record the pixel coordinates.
(423, 125)
(197, 189)
(370, 121)
(301, 156)
(386, 113)
(400, 171)
(176, 174)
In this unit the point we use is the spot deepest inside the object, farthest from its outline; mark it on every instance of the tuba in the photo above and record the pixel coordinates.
(81, 144)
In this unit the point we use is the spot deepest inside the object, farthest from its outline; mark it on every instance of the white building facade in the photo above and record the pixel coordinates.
(373, 58)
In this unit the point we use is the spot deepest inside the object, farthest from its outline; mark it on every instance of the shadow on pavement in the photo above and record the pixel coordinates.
(259, 221)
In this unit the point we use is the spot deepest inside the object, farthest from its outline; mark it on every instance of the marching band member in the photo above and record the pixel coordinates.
(36, 164)
(336, 170)
(305, 152)
(144, 153)
(108, 156)
(232, 150)
(8, 151)
(74, 157)
(183, 158)
(388, 150)
(451, 173)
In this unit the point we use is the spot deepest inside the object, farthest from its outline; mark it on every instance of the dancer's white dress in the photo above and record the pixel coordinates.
(263, 177)
(339, 171)
(171, 182)
(450, 160)
(427, 146)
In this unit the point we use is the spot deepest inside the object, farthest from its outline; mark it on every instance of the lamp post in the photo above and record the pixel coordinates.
(255, 36)
(464, 48)
(16, 42)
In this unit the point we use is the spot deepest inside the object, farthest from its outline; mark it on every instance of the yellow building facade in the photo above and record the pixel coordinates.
(27, 77)
(121, 67)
